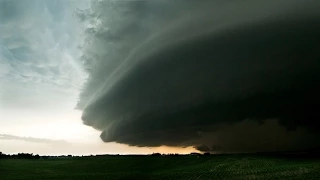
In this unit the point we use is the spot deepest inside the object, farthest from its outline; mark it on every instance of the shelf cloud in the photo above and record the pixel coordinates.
(235, 76)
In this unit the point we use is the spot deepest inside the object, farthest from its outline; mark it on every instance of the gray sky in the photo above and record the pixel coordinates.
(41, 75)
(182, 73)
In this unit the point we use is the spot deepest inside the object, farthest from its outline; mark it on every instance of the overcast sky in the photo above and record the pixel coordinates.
(87, 77)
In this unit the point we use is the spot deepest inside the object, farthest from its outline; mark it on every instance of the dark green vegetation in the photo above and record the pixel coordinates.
(162, 167)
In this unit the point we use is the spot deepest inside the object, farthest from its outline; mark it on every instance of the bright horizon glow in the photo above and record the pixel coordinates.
(81, 139)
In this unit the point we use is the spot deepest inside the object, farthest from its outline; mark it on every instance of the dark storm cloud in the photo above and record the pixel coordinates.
(31, 139)
(179, 79)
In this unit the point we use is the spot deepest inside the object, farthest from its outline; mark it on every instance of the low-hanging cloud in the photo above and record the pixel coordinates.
(179, 73)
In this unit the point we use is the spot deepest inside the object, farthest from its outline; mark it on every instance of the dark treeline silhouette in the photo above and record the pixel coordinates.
(36, 156)
(30, 156)
(176, 154)
(311, 153)
(19, 156)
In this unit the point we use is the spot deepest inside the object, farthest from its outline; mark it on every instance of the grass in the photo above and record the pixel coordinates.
(162, 168)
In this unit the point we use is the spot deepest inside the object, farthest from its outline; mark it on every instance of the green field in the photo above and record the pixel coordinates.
(161, 167)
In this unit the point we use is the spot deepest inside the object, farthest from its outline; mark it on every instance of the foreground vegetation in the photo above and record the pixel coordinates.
(162, 167)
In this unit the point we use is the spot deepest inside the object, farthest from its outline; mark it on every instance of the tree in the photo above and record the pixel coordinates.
(155, 154)
(37, 156)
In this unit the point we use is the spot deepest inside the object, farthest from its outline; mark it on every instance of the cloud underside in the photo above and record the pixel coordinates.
(246, 84)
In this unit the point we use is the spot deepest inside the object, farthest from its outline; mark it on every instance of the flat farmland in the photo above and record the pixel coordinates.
(162, 167)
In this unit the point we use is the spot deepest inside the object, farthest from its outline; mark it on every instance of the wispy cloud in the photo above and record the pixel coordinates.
(39, 51)
(32, 139)
(38, 43)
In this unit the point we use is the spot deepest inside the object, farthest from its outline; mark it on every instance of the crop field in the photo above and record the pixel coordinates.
(162, 167)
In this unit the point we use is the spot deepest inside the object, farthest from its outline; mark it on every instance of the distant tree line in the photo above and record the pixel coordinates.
(19, 156)
(176, 154)
(36, 156)
(30, 156)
